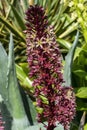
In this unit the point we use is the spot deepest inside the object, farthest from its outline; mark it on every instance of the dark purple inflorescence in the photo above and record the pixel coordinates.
(1, 123)
(55, 103)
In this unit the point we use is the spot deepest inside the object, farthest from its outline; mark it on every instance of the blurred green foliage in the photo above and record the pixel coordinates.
(66, 17)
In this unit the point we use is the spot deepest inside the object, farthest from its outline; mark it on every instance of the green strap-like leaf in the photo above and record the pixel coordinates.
(22, 76)
(12, 29)
(69, 30)
(64, 43)
(25, 4)
(18, 18)
(3, 89)
(3, 72)
(16, 108)
(68, 62)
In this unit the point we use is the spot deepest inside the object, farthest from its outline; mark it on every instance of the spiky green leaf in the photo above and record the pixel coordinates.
(68, 62)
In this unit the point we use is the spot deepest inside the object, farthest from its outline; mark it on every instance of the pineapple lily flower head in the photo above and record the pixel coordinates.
(55, 102)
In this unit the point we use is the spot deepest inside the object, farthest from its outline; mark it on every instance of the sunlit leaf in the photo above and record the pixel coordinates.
(85, 127)
(82, 92)
(64, 43)
(13, 29)
(24, 80)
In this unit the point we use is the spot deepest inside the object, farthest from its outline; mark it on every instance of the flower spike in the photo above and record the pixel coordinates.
(55, 102)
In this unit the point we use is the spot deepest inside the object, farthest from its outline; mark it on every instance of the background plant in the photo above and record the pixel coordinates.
(66, 17)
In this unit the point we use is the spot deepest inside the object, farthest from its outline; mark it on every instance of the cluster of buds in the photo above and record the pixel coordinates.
(1, 123)
(55, 102)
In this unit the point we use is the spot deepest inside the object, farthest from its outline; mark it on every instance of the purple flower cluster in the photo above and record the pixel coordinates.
(1, 123)
(55, 103)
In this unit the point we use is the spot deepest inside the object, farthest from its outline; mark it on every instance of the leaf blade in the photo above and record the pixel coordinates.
(20, 121)
(18, 18)
(68, 62)
(11, 28)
